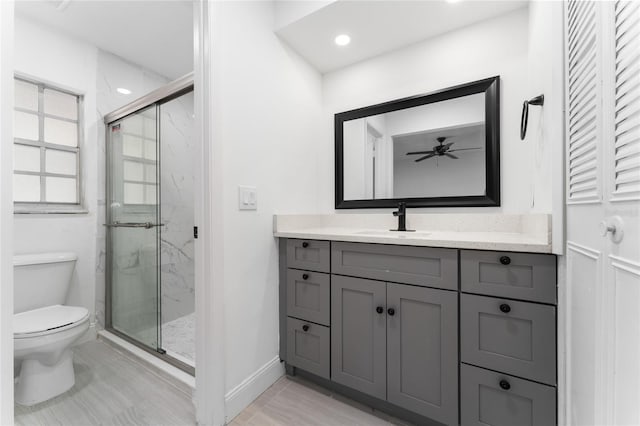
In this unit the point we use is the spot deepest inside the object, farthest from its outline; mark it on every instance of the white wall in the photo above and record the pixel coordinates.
(267, 125)
(489, 48)
(51, 57)
(545, 137)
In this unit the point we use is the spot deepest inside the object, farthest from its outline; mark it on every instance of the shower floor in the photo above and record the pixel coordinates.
(178, 338)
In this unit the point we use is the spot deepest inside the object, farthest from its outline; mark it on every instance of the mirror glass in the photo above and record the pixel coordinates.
(433, 150)
(439, 149)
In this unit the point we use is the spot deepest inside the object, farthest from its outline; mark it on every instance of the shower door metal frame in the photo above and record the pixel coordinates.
(162, 95)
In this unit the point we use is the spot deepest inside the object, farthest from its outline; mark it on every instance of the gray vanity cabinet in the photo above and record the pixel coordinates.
(431, 335)
(359, 334)
(422, 351)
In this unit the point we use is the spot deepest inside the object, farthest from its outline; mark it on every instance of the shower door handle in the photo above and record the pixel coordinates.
(146, 225)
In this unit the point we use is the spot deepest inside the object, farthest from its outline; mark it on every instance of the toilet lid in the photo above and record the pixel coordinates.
(47, 318)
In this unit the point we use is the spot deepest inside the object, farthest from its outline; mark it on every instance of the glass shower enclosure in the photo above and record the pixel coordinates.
(150, 242)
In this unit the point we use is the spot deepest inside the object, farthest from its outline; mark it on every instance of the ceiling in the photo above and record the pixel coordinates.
(157, 34)
(377, 27)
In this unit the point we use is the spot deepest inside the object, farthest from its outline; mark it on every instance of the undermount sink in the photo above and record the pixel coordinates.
(390, 233)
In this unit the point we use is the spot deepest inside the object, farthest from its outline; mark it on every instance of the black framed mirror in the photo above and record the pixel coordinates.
(440, 149)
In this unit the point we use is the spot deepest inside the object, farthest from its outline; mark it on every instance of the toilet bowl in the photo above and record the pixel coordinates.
(41, 341)
(44, 328)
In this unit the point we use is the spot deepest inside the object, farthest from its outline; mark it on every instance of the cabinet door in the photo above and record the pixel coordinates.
(311, 255)
(308, 296)
(488, 398)
(358, 334)
(308, 346)
(422, 351)
(523, 276)
(518, 338)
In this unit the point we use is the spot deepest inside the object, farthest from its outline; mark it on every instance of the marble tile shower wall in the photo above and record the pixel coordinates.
(177, 205)
(177, 269)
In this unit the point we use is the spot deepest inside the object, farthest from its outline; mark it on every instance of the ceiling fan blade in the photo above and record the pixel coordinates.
(451, 155)
(463, 149)
(447, 145)
(425, 157)
(419, 152)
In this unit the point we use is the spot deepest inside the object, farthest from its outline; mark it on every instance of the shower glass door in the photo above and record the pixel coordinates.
(133, 227)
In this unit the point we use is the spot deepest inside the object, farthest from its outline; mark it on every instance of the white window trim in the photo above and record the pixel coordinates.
(41, 207)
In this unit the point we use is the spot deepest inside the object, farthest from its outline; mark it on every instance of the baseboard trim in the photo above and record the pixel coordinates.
(239, 398)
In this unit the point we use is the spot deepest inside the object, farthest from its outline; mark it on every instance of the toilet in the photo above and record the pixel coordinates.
(43, 327)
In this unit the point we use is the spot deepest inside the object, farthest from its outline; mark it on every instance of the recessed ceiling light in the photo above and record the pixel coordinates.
(123, 91)
(343, 40)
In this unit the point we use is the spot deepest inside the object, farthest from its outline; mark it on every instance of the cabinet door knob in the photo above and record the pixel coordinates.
(379, 309)
(391, 311)
(305, 276)
(505, 385)
(505, 260)
(305, 327)
(305, 244)
(505, 308)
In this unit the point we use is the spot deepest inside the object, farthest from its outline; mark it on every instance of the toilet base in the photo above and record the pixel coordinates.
(39, 382)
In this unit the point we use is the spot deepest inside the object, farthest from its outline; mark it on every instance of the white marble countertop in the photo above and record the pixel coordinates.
(522, 233)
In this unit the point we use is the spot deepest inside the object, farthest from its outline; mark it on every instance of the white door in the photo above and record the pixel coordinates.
(602, 311)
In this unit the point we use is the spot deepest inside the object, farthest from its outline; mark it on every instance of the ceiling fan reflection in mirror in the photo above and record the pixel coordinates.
(440, 150)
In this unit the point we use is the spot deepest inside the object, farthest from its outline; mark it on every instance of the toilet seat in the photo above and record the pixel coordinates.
(47, 320)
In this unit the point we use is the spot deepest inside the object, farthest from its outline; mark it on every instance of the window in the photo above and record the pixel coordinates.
(46, 149)
(139, 157)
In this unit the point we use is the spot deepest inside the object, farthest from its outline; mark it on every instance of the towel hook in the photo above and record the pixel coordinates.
(538, 100)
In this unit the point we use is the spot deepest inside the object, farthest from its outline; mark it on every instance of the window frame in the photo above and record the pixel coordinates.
(43, 206)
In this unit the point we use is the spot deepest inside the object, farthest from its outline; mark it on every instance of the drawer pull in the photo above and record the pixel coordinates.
(505, 260)
(391, 312)
(305, 276)
(305, 327)
(305, 244)
(379, 309)
(505, 308)
(505, 385)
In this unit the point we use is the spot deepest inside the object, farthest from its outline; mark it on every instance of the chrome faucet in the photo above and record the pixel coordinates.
(401, 213)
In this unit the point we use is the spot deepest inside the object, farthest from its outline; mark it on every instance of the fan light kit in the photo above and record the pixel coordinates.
(439, 150)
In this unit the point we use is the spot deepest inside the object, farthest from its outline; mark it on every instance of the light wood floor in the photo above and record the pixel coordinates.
(294, 401)
(111, 389)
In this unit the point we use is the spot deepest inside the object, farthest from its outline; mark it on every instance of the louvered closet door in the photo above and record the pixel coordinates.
(602, 309)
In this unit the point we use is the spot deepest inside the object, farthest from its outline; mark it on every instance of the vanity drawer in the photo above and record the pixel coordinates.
(518, 338)
(308, 346)
(308, 254)
(424, 266)
(308, 295)
(514, 275)
(495, 399)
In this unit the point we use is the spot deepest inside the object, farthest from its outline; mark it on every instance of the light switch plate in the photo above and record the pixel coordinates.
(247, 198)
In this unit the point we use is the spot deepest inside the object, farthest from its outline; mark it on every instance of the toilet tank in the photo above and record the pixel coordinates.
(41, 280)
